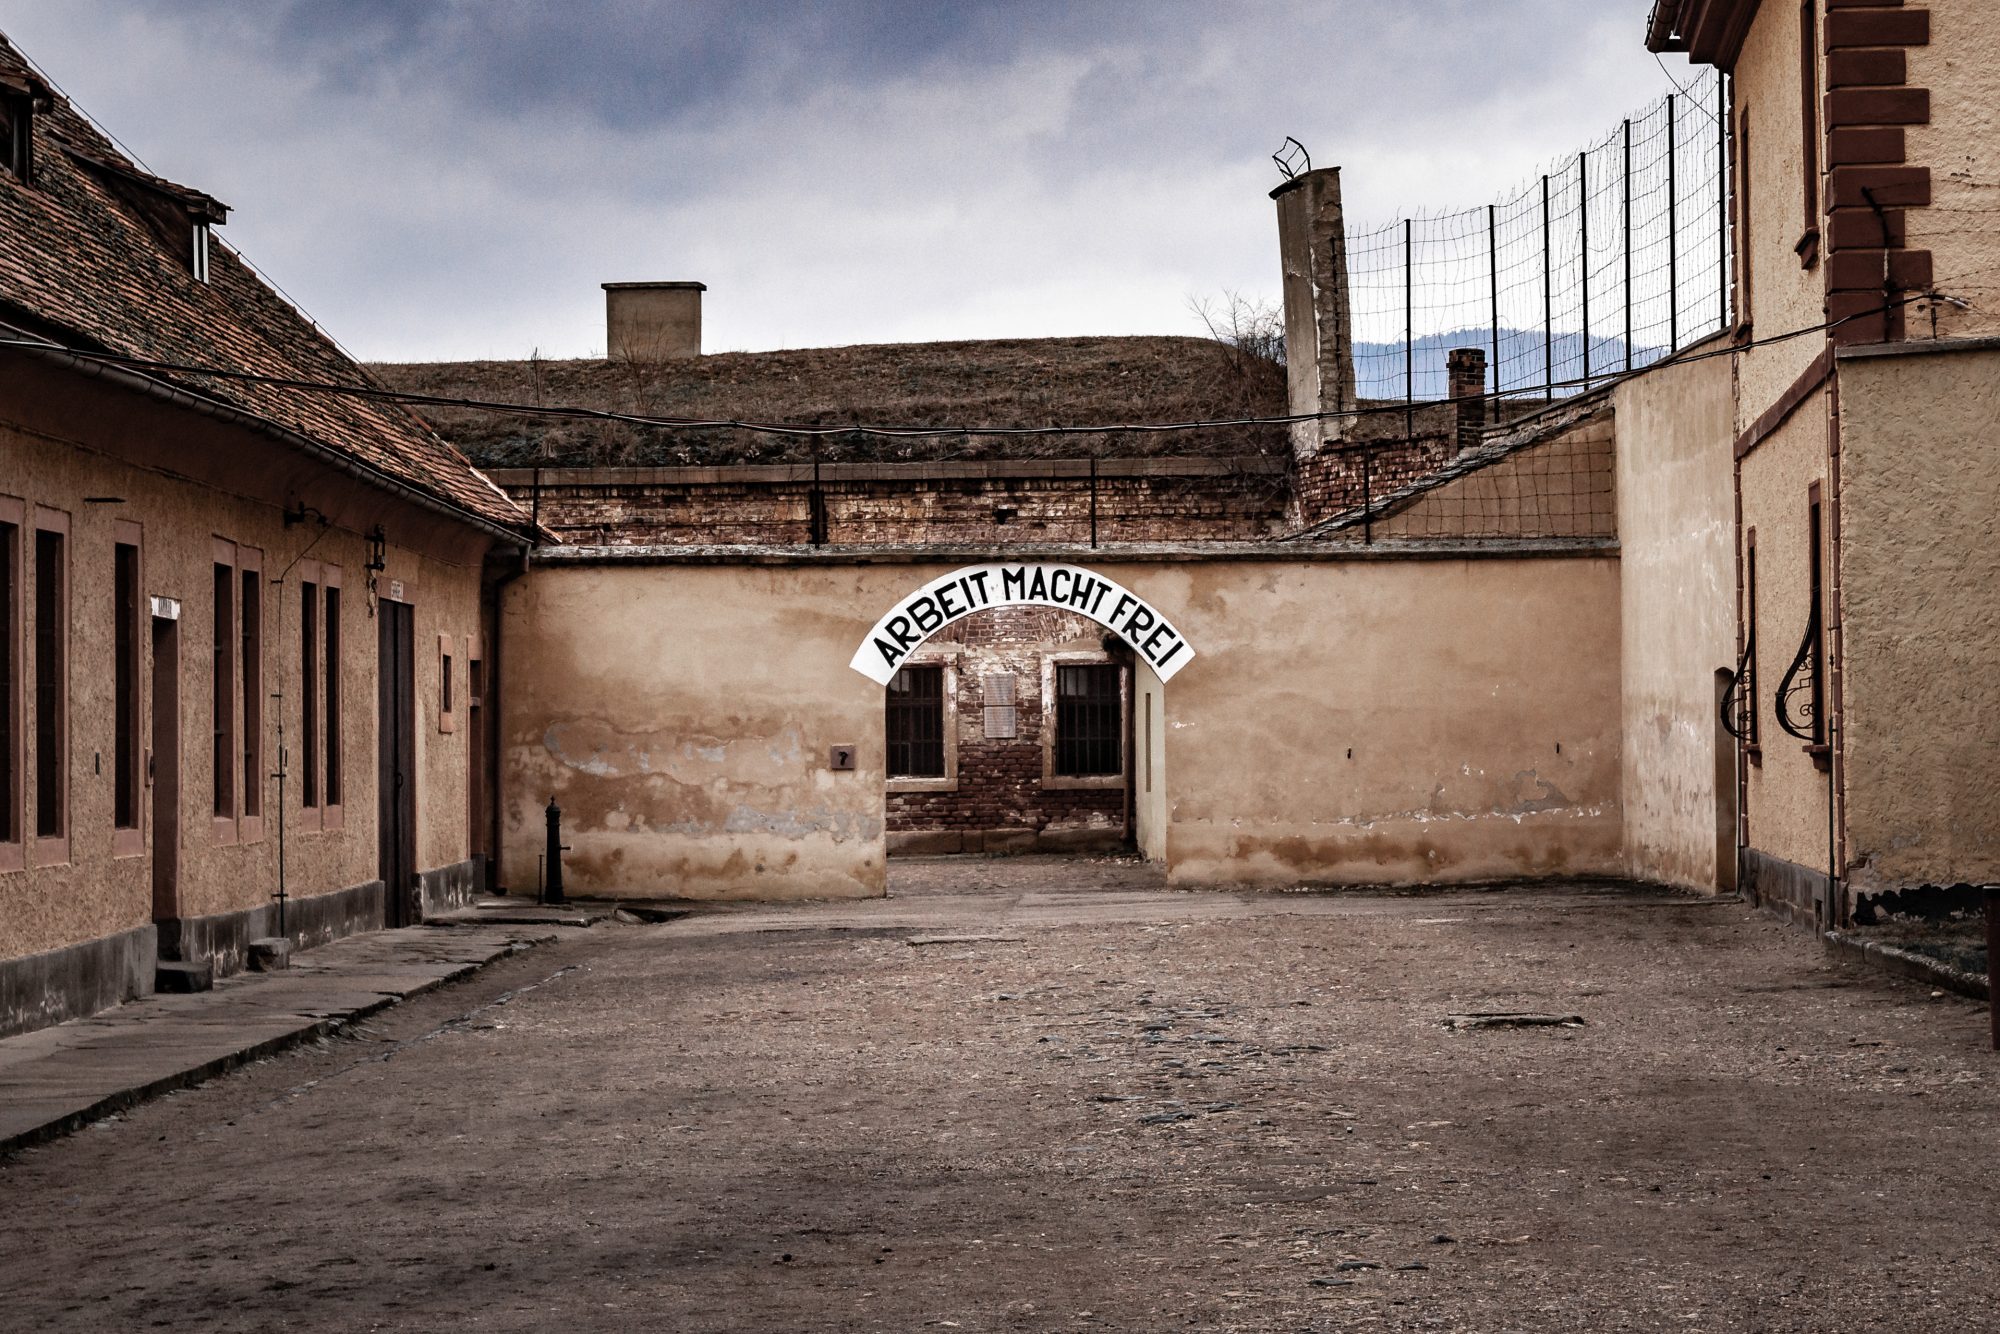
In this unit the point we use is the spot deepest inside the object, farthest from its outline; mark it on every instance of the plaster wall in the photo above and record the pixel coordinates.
(1346, 721)
(1961, 146)
(1785, 796)
(1357, 722)
(1676, 526)
(1919, 492)
(95, 892)
(1784, 295)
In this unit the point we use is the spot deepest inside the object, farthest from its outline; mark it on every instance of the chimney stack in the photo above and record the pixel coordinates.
(652, 321)
(1465, 369)
(1319, 322)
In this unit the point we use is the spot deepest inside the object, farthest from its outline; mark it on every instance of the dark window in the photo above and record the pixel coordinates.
(10, 682)
(332, 675)
(223, 700)
(1750, 667)
(125, 746)
(1745, 266)
(51, 673)
(17, 140)
(1087, 719)
(309, 693)
(1809, 126)
(1817, 664)
(252, 618)
(915, 723)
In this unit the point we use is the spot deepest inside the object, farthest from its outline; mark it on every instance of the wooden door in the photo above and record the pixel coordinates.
(396, 777)
(163, 769)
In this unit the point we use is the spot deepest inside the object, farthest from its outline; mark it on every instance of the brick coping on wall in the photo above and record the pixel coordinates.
(955, 470)
(1147, 553)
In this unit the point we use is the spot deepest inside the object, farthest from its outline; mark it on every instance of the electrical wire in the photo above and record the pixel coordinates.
(378, 393)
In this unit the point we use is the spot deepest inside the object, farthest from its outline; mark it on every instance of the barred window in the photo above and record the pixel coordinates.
(1087, 720)
(915, 723)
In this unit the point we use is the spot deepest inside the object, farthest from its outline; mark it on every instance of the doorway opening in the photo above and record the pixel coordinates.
(1022, 729)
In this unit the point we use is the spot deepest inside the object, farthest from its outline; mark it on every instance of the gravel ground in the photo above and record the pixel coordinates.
(1043, 1095)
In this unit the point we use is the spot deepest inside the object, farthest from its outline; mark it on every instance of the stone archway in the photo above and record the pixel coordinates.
(984, 744)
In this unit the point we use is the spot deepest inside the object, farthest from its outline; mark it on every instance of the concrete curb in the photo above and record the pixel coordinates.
(55, 1081)
(1909, 963)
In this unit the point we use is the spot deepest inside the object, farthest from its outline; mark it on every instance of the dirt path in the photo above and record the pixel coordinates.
(1119, 1109)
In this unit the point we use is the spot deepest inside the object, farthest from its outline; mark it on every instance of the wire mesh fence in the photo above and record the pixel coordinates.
(1604, 263)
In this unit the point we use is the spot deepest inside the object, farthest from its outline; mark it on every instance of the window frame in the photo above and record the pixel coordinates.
(13, 657)
(947, 665)
(54, 849)
(447, 700)
(311, 655)
(1050, 711)
(130, 743)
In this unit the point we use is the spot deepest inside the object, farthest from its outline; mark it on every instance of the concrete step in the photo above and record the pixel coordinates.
(178, 976)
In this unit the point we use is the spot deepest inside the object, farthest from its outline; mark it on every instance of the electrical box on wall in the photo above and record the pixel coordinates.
(840, 758)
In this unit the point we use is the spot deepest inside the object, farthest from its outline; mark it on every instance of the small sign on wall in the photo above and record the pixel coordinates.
(840, 758)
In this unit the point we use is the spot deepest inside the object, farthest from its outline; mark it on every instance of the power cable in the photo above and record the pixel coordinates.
(376, 393)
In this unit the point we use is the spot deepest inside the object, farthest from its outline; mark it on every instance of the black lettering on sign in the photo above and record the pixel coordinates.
(979, 577)
(1079, 595)
(1124, 600)
(1056, 578)
(1168, 656)
(1152, 644)
(1013, 583)
(1138, 623)
(946, 605)
(891, 655)
(1038, 587)
(926, 614)
(899, 626)
(1098, 601)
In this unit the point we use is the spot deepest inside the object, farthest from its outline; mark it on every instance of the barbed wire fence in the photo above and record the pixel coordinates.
(1604, 263)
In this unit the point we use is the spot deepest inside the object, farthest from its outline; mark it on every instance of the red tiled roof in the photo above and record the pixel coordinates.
(78, 255)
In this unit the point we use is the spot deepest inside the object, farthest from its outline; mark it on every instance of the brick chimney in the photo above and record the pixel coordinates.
(652, 321)
(1465, 370)
(1319, 322)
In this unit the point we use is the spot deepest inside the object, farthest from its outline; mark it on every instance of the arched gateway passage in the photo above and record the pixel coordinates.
(972, 588)
(1010, 724)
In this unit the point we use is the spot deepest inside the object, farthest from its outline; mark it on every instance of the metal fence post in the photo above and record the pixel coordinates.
(1722, 113)
(1583, 258)
(1493, 283)
(1548, 302)
(1409, 331)
(1673, 233)
(1093, 502)
(1628, 244)
(1367, 495)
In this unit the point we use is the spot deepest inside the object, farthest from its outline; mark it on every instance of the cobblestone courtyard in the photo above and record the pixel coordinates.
(1047, 1095)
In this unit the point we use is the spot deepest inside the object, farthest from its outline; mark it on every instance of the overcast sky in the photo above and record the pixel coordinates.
(453, 178)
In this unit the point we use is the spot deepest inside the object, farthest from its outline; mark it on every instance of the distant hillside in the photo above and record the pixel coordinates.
(1012, 382)
(1379, 366)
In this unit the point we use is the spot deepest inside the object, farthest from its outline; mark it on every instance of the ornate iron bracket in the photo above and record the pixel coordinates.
(1798, 698)
(1739, 707)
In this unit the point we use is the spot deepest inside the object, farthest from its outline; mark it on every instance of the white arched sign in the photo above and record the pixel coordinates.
(957, 595)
